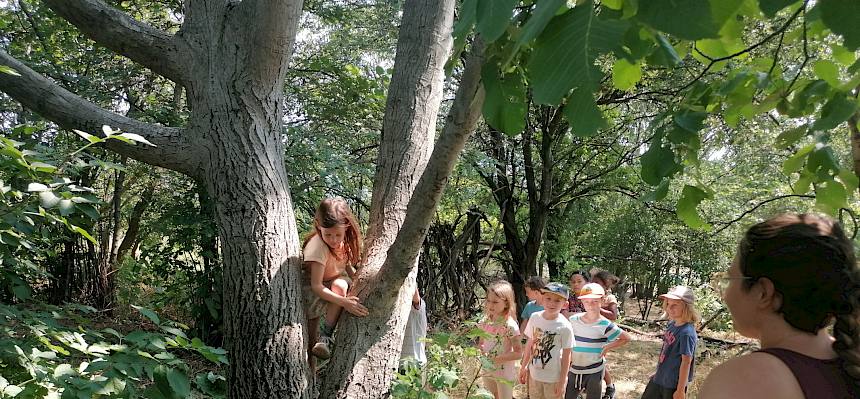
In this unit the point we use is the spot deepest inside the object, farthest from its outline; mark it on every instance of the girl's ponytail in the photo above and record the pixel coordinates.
(847, 327)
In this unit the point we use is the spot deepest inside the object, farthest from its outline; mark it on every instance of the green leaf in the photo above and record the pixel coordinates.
(136, 138)
(687, 19)
(658, 162)
(36, 187)
(467, 18)
(66, 207)
(505, 102)
(841, 16)
(21, 291)
(827, 71)
(691, 197)
(830, 196)
(152, 316)
(493, 17)
(9, 70)
(444, 378)
(583, 114)
(836, 111)
(48, 200)
(89, 137)
(565, 52)
(771, 7)
(796, 161)
(482, 393)
(658, 193)
(791, 136)
(801, 186)
(84, 233)
(91, 211)
(543, 13)
(179, 382)
(666, 55)
(849, 180)
(625, 75)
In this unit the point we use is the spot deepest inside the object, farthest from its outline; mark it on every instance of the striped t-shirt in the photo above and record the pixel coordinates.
(590, 339)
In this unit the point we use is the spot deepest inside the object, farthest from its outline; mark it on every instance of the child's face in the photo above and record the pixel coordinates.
(552, 304)
(494, 305)
(577, 282)
(333, 236)
(591, 305)
(674, 308)
(533, 295)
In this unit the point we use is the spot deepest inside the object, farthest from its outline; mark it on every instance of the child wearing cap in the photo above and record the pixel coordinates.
(675, 365)
(547, 354)
(595, 335)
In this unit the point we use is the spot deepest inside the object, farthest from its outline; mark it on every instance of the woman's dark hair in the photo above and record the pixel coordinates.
(812, 265)
(535, 283)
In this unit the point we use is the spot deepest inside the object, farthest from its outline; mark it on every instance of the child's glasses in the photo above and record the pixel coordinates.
(720, 282)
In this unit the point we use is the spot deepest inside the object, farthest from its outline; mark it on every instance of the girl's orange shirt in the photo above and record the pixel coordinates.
(316, 250)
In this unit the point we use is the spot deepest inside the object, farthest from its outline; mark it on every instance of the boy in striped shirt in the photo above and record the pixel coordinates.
(594, 336)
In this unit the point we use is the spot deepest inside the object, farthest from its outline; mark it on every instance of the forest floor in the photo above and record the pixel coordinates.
(632, 365)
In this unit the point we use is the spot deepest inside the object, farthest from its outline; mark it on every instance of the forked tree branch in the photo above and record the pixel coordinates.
(111, 28)
(70, 111)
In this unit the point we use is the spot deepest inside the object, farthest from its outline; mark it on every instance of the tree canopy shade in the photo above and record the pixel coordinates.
(583, 63)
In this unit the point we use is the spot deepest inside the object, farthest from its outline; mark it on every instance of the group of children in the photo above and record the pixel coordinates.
(567, 333)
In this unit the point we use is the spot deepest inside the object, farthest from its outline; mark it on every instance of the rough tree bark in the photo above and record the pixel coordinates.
(410, 177)
(231, 58)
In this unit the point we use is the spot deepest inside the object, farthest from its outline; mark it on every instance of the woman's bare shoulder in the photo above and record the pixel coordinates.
(756, 375)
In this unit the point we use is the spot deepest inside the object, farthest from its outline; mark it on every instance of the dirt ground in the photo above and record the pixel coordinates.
(632, 365)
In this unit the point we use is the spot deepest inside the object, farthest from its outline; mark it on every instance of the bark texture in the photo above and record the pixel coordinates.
(231, 59)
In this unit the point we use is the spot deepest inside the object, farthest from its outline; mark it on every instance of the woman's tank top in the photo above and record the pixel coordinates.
(818, 378)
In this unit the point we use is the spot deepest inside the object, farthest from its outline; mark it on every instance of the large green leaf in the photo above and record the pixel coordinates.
(836, 111)
(493, 17)
(179, 382)
(688, 19)
(583, 114)
(505, 103)
(543, 13)
(830, 196)
(658, 162)
(565, 52)
(691, 196)
(843, 17)
(625, 75)
(466, 18)
(771, 7)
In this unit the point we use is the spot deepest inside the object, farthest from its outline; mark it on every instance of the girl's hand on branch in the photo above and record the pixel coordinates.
(352, 305)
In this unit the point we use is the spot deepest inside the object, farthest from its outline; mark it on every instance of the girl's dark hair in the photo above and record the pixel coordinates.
(535, 283)
(610, 279)
(582, 273)
(336, 212)
(812, 265)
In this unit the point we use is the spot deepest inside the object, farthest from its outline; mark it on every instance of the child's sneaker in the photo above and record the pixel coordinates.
(322, 349)
(610, 392)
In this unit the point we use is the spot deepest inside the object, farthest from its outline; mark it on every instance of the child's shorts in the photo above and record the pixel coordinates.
(315, 306)
(590, 383)
(656, 391)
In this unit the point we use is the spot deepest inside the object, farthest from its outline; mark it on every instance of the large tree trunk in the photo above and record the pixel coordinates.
(231, 58)
(411, 174)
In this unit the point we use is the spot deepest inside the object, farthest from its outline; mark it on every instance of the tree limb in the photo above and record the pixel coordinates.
(70, 111)
(274, 24)
(111, 28)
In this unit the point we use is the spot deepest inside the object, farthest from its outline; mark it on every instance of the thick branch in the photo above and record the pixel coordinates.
(461, 121)
(73, 112)
(111, 28)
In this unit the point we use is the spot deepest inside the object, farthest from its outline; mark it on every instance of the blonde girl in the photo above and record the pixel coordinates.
(675, 364)
(503, 345)
(331, 252)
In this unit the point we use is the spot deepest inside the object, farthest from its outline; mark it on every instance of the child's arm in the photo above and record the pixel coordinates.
(562, 378)
(610, 311)
(350, 303)
(516, 352)
(683, 374)
(622, 340)
(527, 359)
(523, 325)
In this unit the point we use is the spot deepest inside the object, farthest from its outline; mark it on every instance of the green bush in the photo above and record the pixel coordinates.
(50, 351)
